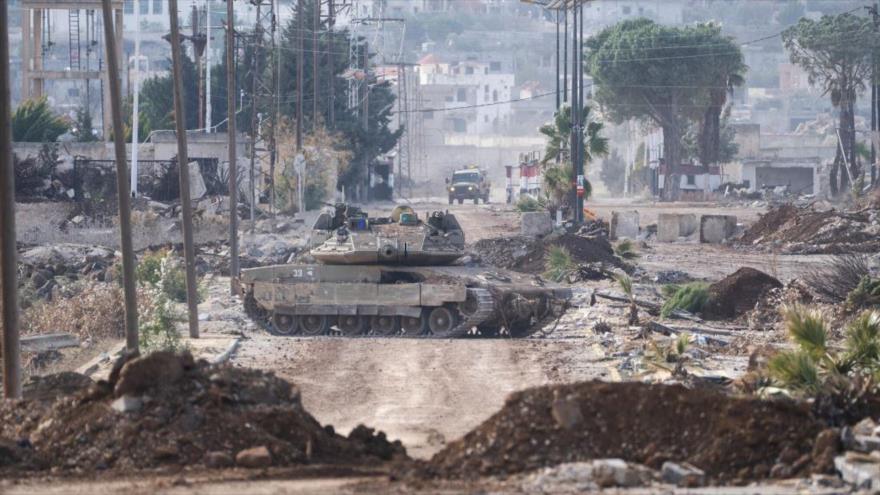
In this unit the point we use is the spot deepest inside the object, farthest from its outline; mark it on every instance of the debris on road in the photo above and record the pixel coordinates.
(792, 229)
(200, 414)
(731, 439)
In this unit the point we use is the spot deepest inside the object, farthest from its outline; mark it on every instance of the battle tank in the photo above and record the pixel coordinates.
(393, 276)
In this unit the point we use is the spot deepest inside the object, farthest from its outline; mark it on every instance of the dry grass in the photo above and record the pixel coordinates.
(96, 311)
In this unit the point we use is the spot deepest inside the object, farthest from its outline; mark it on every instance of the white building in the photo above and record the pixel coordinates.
(476, 94)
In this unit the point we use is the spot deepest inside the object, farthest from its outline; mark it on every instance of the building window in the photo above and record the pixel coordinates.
(128, 7)
(495, 96)
(486, 88)
(429, 115)
(145, 7)
(486, 70)
(627, 10)
(450, 99)
(460, 125)
(495, 66)
(469, 70)
(691, 180)
(157, 7)
(462, 94)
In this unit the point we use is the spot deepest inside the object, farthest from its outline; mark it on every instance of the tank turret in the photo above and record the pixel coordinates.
(349, 236)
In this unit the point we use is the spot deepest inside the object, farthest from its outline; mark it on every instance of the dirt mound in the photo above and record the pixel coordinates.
(730, 438)
(766, 314)
(808, 231)
(527, 254)
(199, 414)
(737, 293)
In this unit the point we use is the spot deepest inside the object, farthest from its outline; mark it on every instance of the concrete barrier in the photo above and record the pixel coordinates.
(624, 224)
(536, 224)
(715, 229)
(671, 226)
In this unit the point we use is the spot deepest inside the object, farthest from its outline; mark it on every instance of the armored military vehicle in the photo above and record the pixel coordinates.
(469, 183)
(392, 276)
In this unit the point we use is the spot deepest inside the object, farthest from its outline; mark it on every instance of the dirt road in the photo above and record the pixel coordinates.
(422, 391)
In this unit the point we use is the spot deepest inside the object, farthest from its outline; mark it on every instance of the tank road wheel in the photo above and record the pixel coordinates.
(352, 325)
(441, 321)
(314, 324)
(284, 325)
(461, 201)
(413, 326)
(477, 200)
(385, 325)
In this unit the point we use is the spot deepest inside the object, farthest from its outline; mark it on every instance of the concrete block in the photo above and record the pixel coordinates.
(536, 224)
(127, 403)
(686, 475)
(861, 471)
(667, 227)
(624, 224)
(687, 224)
(671, 226)
(715, 229)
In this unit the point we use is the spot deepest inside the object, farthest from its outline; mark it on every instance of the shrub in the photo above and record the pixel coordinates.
(690, 297)
(627, 286)
(813, 367)
(838, 277)
(625, 249)
(158, 326)
(96, 310)
(865, 294)
(559, 264)
(149, 269)
(527, 203)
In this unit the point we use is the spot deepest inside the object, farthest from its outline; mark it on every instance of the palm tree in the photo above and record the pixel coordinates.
(558, 135)
(33, 121)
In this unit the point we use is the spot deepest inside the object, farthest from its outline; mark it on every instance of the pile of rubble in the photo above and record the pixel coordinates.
(527, 254)
(738, 293)
(43, 269)
(792, 229)
(729, 439)
(201, 415)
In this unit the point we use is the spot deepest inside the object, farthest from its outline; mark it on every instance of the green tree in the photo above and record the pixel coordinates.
(366, 138)
(364, 143)
(836, 51)
(558, 134)
(83, 129)
(666, 75)
(34, 122)
(157, 100)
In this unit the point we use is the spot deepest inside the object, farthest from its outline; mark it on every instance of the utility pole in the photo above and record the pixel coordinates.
(874, 10)
(315, 73)
(199, 41)
(300, 121)
(558, 95)
(565, 56)
(230, 130)
(581, 120)
(122, 184)
(208, 106)
(257, 44)
(183, 168)
(135, 113)
(331, 76)
(8, 254)
(573, 146)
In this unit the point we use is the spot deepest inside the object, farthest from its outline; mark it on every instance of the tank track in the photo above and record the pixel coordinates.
(484, 307)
